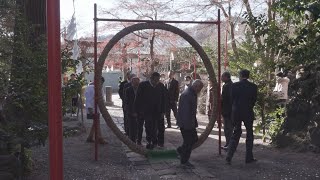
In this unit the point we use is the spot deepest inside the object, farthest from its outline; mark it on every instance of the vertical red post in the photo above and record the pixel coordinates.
(219, 79)
(54, 90)
(96, 117)
(226, 50)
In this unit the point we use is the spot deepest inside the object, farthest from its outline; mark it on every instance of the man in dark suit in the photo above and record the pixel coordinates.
(243, 99)
(125, 87)
(150, 104)
(172, 86)
(121, 94)
(187, 121)
(132, 117)
(121, 85)
(226, 107)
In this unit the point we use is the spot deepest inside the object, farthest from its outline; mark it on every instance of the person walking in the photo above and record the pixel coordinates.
(210, 99)
(89, 95)
(226, 107)
(187, 82)
(74, 89)
(121, 92)
(172, 86)
(243, 99)
(281, 89)
(187, 121)
(164, 108)
(132, 117)
(150, 104)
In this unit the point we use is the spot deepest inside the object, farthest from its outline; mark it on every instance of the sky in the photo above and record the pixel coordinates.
(83, 12)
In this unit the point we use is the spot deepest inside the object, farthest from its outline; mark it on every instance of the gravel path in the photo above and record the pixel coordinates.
(117, 162)
(79, 163)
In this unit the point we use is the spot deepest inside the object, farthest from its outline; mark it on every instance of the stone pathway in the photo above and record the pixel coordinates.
(116, 161)
(273, 163)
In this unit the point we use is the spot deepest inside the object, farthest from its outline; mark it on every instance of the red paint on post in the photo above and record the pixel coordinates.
(54, 90)
(219, 80)
(95, 120)
(226, 51)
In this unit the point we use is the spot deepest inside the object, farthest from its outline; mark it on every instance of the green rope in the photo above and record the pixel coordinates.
(162, 154)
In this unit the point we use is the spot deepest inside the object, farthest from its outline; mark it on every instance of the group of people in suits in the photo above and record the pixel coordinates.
(238, 101)
(148, 103)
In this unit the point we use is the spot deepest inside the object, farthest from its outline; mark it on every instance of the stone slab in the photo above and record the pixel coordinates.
(169, 177)
(203, 173)
(137, 163)
(160, 166)
(133, 154)
(137, 159)
(143, 167)
(166, 172)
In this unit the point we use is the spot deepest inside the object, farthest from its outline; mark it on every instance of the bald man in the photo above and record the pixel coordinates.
(187, 121)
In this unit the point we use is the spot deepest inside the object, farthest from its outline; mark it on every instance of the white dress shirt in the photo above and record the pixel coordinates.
(89, 94)
(281, 89)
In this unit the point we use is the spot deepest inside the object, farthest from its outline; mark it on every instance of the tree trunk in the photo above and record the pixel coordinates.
(263, 121)
(152, 66)
(124, 59)
(29, 32)
(233, 40)
(252, 28)
(231, 24)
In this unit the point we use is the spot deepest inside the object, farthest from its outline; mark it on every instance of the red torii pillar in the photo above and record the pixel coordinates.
(54, 90)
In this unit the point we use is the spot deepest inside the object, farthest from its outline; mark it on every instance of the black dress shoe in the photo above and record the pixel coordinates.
(90, 140)
(187, 165)
(228, 161)
(178, 153)
(161, 145)
(251, 161)
(225, 148)
(149, 146)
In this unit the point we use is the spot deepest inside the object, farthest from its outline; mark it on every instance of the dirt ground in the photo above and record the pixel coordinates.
(79, 163)
(113, 163)
(272, 163)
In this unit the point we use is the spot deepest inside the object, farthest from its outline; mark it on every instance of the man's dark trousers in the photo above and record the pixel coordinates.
(140, 122)
(133, 128)
(151, 126)
(173, 106)
(236, 137)
(228, 128)
(189, 138)
(160, 135)
(125, 122)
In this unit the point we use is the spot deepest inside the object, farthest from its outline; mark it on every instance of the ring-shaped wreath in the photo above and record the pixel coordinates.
(194, 44)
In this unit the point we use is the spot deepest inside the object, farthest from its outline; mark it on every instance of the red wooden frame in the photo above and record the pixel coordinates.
(54, 90)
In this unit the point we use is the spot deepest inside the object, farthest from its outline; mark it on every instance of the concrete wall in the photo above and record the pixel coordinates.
(111, 79)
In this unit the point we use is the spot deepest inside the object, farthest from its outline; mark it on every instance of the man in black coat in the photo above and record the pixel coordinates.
(122, 96)
(187, 121)
(172, 86)
(132, 117)
(243, 99)
(226, 107)
(150, 103)
(121, 85)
